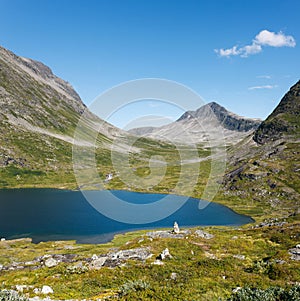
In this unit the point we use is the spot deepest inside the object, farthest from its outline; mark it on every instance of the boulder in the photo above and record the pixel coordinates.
(165, 254)
(51, 262)
(94, 257)
(47, 290)
(295, 252)
(137, 253)
(97, 263)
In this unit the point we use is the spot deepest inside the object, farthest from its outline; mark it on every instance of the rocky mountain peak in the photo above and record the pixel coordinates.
(226, 118)
(284, 120)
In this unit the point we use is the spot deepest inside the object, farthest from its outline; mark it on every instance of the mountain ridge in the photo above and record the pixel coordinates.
(201, 125)
(265, 166)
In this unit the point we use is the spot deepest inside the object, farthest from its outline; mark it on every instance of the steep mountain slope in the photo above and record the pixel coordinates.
(38, 115)
(284, 120)
(204, 125)
(264, 169)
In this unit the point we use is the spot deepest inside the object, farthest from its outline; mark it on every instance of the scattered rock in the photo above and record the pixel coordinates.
(270, 223)
(51, 262)
(203, 234)
(47, 290)
(165, 254)
(77, 268)
(176, 229)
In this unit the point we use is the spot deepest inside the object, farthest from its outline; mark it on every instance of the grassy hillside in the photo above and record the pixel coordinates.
(199, 269)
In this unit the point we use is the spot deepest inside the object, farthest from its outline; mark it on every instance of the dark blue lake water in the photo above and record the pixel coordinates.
(50, 214)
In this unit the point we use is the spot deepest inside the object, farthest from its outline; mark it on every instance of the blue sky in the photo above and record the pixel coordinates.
(96, 45)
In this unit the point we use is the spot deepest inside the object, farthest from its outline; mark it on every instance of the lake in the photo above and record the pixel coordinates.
(52, 214)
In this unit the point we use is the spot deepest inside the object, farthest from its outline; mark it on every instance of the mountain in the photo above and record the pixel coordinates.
(39, 113)
(265, 168)
(38, 116)
(284, 120)
(203, 125)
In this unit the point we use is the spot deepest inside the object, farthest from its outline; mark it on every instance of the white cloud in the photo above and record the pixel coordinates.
(263, 87)
(273, 39)
(263, 38)
(264, 76)
(250, 49)
(228, 52)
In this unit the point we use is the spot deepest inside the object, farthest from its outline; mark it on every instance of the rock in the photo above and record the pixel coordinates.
(203, 234)
(2, 239)
(168, 234)
(157, 262)
(165, 254)
(21, 288)
(235, 290)
(47, 290)
(137, 253)
(295, 252)
(97, 263)
(298, 246)
(279, 261)
(37, 291)
(173, 276)
(241, 257)
(94, 257)
(234, 237)
(176, 229)
(51, 262)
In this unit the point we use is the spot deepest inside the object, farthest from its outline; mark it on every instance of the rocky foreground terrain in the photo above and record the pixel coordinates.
(214, 263)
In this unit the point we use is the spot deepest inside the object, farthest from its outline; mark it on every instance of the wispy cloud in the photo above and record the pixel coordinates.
(263, 87)
(264, 76)
(263, 38)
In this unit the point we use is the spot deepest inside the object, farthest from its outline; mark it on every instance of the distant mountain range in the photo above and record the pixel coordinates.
(203, 125)
(39, 113)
